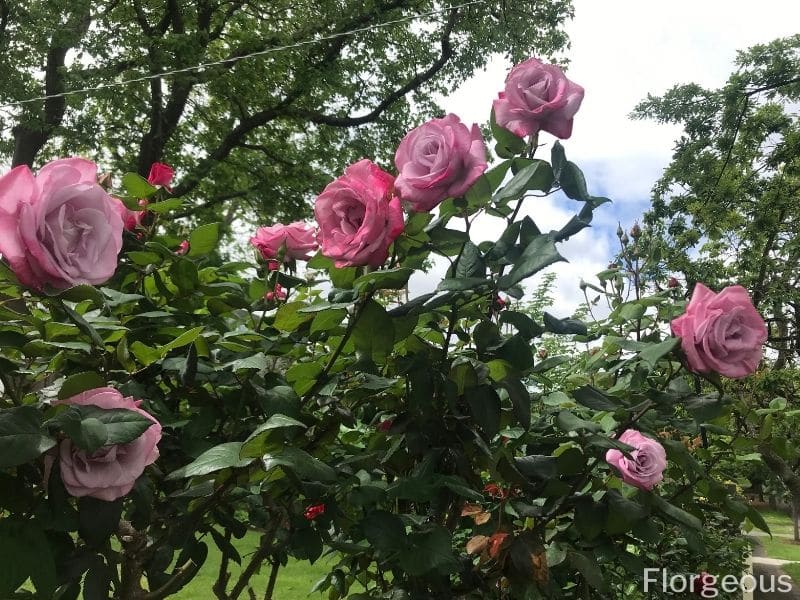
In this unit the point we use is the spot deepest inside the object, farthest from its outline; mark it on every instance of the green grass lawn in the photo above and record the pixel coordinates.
(294, 581)
(779, 523)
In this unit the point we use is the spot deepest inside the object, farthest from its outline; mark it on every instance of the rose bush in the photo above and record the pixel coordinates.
(59, 228)
(722, 332)
(437, 160)
(426, 444)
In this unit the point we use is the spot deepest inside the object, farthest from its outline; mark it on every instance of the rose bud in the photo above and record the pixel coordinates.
(161, 174)
(672, 283)
(314, 511)
(183, 247)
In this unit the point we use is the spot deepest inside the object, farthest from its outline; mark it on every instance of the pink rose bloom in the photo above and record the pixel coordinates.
(59, 228)
(721, 332)
(538, 97)
(645, 468)
(161, 174)
(298, 238)
(130, 218)
(359, 216)
(183, 247)
(110, 472)
(437, 160)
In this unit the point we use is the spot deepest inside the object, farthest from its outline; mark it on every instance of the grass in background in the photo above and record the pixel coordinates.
(295, 580)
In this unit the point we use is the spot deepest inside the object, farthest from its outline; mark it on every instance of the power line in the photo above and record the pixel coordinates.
(224, 61)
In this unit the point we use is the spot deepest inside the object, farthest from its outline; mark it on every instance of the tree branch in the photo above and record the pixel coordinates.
(412, 84)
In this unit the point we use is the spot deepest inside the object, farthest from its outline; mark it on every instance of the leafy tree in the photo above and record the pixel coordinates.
(726, 207)
(249, 135)
(726, 210)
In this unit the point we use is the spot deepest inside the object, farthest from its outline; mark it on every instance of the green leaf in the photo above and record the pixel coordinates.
(484, 404)
(429, 551)
(28, 554)
(537, 175)
(588, 566)
(85, 328)
(460, 285)
(373, 334)
(80, 382)
(654, 352)
(301, 463)
(538, 466)
(184, 339)
(203, 240)
(328, 319)
(622, 512)
(289, 317)
(136, 186)
(471, 263)
(21, 436)
(165, 206)
(183, 273)
(223, 456)
(385, 531)
(540, 253)
(508, 145)
(389, 279)
(91, 427)
(254, 445)
(676, 514)
(567, 421)
(524, 325)
(520, 400)
(564, 326)
(593, 398)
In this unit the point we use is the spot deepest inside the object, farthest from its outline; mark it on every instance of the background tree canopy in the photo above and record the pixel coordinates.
(256, 135)
(726, 208)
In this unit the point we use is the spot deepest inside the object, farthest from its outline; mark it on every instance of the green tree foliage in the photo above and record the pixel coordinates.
(250, 136)
(726, 208)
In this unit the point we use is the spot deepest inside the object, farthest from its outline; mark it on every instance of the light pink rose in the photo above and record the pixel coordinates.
(439, 159)
(537, 97)
(645, 468)
(721, 332)
(359, 216)
(130, 218)
(299, 239)
(59, 228)
(160, 174)
(110, 472)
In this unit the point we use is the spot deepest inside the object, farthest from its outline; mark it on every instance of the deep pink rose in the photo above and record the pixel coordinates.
(437, 160)
(183, 248)
(299, 239)
(110, 472)
(645, 468)
(359, 216)
(721, 332)
(130, 218)
(537, 97)
(160, 174)
(59, 228)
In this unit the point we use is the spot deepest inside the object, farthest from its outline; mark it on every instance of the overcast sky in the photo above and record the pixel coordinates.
(621, 51)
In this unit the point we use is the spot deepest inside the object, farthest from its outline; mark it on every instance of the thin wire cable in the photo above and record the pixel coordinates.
(224, 61)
